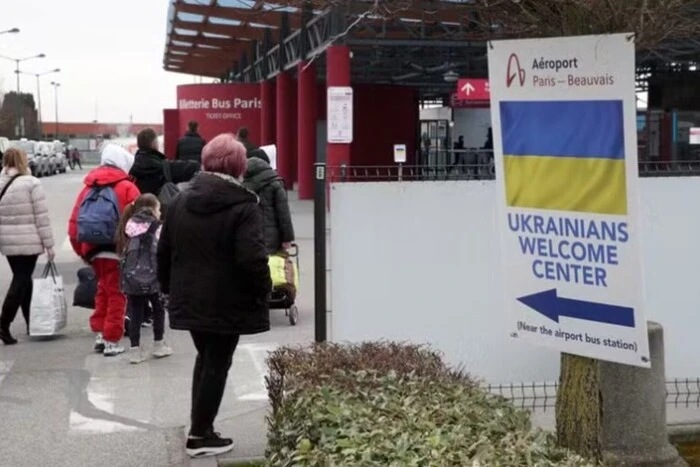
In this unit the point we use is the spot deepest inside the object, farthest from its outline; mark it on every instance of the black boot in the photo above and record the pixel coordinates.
(6, 337)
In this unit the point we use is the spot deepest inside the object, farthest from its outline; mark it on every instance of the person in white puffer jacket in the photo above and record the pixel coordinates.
(25, 233)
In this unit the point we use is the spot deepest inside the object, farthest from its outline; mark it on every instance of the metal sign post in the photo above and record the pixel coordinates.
(320, 306)
(400, 158)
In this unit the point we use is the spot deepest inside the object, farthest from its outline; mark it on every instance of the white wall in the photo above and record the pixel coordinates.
(473, 124)
(420, 261)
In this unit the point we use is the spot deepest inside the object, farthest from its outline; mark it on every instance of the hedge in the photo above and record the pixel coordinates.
(388, 404)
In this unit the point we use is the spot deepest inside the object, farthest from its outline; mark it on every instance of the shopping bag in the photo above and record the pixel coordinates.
(48, 313)
(284, 273)
(85, 291)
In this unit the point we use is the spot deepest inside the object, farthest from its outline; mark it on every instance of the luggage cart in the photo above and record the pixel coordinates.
(281, 298)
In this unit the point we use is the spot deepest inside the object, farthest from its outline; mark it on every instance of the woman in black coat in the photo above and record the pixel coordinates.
(264, 181)
(212, 262)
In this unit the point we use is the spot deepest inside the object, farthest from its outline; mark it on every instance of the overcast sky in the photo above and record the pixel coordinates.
(110, 53)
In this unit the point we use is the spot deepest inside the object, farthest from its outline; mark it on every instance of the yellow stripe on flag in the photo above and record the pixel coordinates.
(566, 184)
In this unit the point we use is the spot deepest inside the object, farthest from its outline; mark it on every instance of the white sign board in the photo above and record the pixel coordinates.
(565, 147)
(695, 135)
(400, 153)
(340, 115)
(271, 151)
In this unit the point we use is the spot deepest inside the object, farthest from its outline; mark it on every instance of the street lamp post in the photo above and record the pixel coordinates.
(55, 89)
(38, 93)
(19, 131)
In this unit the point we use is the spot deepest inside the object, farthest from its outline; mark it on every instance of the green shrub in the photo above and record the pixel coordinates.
(386, 404)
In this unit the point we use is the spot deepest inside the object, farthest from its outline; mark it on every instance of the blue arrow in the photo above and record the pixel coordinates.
(553, 307)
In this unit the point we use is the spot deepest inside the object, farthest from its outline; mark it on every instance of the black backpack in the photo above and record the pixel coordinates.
(168, 191)
(138, 267)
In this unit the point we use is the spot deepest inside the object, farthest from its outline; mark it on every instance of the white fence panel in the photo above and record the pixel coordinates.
(420, 261)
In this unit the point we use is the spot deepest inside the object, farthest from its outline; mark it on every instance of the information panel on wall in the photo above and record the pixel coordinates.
(340, 115)
(565, 147)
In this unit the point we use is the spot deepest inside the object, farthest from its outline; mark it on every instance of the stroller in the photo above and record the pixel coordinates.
(284, 269)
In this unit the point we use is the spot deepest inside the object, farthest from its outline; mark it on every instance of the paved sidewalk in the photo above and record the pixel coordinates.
(62, 405)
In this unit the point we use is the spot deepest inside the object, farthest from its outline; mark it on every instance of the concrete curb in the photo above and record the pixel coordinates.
(242, 462)
(683, 433)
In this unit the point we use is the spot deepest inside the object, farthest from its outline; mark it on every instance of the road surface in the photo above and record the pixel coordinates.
(63, 405)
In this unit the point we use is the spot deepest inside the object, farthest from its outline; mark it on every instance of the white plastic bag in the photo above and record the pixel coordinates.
(49, 309)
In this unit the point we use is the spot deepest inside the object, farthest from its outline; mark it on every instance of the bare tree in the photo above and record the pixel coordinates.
(653, 22)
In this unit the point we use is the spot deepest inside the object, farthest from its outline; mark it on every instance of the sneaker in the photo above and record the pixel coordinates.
(112, 349)
(147, 323)
(135, 356)
(211, 445)
(161, 349)
(99, 343)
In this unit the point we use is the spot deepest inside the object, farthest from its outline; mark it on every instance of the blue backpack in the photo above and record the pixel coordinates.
(98, 216)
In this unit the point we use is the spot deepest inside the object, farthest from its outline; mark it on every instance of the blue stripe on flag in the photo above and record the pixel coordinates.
(588, 129)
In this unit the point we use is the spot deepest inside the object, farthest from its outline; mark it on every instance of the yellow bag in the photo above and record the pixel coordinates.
(284, 272)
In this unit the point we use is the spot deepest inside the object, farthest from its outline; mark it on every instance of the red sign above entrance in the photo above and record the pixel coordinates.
(220, 108)
(473, 89)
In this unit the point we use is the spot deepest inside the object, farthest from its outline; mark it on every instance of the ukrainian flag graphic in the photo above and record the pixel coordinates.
(564, 155)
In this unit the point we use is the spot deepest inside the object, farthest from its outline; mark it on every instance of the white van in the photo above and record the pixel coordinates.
(59, 152)
(4, 144)
(44, 151)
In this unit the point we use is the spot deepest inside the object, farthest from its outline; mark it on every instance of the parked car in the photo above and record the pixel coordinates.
(36, 164)
(61, 161)
(44, 151)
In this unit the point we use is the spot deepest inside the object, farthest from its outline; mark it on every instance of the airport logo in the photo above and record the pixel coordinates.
(514, 71)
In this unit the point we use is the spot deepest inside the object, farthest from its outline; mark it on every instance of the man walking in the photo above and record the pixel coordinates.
(74, 159)
(149, 169)
(251, 149)
(243, 136)
(189, 148)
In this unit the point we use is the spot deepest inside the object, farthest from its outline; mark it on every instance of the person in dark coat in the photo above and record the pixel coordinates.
(213, 263)
(189, 148)
(264, 181)
(259, 154)
(148, 169)
(243, 137)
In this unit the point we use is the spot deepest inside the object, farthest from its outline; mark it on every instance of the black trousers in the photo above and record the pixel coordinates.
(138, 310)
(19, 295)
(214, 358)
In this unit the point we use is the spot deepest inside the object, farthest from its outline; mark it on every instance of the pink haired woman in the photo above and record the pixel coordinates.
(212, 262)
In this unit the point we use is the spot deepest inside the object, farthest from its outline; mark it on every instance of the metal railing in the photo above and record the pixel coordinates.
(681, 393)
(407, 173)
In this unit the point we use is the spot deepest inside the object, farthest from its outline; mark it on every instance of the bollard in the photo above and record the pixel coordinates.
(634, 431)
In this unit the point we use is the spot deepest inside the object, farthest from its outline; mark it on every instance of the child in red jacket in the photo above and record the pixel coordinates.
(89, 231)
